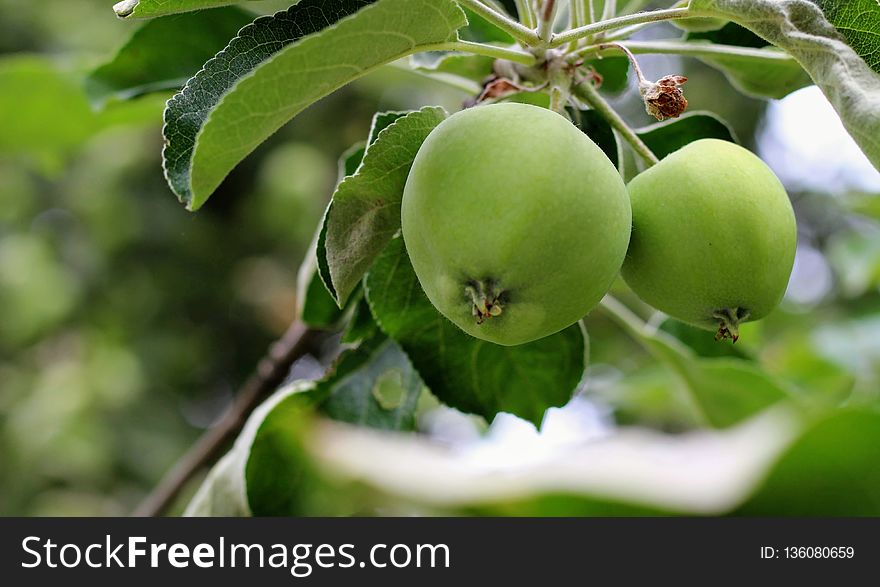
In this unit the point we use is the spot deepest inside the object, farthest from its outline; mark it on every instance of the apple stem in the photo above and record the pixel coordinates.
(586, 92)
(616, 23)
(548, 17)
(526, 13)
(518, 31)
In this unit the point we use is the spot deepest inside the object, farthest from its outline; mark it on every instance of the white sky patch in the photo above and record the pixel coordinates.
(805, 143)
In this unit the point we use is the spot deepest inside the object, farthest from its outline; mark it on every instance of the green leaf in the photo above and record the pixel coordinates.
(316, 306)
(189, 111)
(279, 66)
(164, 53)
(365, 212)
(348, 164)
(361, 326)
(839, 69)
(668, 136)
(154, 8)
(731, 390)
(833, 469)
(280, 477)
(761, 78)
(466, 373)
(373, 385)
(723, 391)
(859, 23)
(765, 78)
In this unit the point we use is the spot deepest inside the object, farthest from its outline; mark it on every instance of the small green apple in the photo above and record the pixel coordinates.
(516, 223)
(714, 237)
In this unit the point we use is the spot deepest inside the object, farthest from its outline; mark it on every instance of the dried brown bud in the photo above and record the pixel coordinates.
(664, 98)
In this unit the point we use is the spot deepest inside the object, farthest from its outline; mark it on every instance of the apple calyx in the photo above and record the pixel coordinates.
(486, 297)
(729, 320)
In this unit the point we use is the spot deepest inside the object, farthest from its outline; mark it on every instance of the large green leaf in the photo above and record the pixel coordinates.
(466, 373)
(279, 66)
(802, 29)
(164, 53)
(189, 110)
(154, 8)
(365, 212)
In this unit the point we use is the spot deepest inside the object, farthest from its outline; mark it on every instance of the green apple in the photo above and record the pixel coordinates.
(516, 223)
(714, 237)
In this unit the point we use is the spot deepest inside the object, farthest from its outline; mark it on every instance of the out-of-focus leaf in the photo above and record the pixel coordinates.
(855, 257)
(802, 29)
(285, 63)
(704, 346)
(164, 53)
(666, 137)
(44, 112)
(154, 8)
(724, 391)
(466, 373)
(651, 396)
(833, 469)
(632, 473)
(365, 212)
(821, 381)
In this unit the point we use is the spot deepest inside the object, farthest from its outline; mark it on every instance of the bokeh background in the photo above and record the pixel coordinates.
(126, 322)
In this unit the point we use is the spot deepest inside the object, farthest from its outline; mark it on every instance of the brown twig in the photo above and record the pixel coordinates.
(268, 376)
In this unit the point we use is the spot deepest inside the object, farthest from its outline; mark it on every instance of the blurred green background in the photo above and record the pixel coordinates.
(126, 323)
